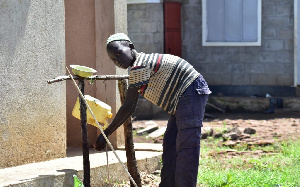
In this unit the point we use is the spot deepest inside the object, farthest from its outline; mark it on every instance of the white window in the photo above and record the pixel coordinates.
(231, 22)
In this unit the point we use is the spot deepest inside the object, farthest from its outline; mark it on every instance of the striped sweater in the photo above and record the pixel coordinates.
(162, 78)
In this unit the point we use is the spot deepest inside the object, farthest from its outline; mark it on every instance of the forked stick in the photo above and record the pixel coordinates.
(99, 126)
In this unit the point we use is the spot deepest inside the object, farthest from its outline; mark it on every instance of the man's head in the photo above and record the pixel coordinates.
(121, 50)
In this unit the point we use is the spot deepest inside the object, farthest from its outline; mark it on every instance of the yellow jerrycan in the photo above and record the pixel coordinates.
(101, 110)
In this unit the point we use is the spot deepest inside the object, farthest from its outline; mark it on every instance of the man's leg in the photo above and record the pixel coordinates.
(169, 154)
(189, 116)
(188, 152)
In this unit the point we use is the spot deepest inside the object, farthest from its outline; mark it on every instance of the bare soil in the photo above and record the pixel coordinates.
(281, 125)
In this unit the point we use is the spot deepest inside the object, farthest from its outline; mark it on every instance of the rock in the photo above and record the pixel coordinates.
(264, 142)
(236, 130)
(204, 135)
(157, 133)
(156, 172)
(152, 126)
(244, 136)
(208, 130)
(230, 143)
(218, 135)
(230, 136)
(249, 131)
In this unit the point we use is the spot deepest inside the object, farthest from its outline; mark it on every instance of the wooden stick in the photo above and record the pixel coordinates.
(84, 137)
(93, 77)
(101, 130)
(129, 146)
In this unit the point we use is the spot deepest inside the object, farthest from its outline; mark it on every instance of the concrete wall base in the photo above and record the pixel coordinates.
(250, 104)
(59, 172)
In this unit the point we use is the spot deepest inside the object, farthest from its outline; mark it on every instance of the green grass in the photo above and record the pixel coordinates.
(282, 169)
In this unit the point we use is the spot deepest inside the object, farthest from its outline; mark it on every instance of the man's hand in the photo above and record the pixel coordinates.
(125, 111)
(100, 143)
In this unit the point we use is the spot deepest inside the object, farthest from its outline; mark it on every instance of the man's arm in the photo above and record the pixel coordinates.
(125, 111)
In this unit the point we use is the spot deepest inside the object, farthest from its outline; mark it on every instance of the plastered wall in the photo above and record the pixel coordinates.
(32, 51)
(88, 25)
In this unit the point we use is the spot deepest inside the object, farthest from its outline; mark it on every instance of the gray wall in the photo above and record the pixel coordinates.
(269, 64)
(145, 27)
(146, 31)
(32, 51)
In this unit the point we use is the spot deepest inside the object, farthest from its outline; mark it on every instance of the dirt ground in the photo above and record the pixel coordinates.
(281, 125)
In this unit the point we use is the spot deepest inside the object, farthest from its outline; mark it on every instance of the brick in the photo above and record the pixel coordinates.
(156, 15)
(263, 79)
(160, 49)
(285, 80)
(269, 10)
(160, 26)
(284, 10)
(289, 69)
(276, 21)
(233, 50)
(137, 46)
(193, 35)
(133, 26)
(149, 48)
(148, 27)
(224, 57)
(248, 57)
(236, 68)
(254, 68)
(268, 57)
(252, 49)
(210, 78)
(225, 80)
(285, 33)
(240, 79)
(288, 44)
(131, 7)
(192, 24)
(136, 15)
(217, 68)
(159, 38)
(274, 68)
(273, 45)
(142, 38)
(273, 2)
(269, 33)
(202, 56)
(285, 57)
(141, 6)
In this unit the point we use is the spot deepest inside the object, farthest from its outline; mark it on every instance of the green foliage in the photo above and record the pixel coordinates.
(282, 169)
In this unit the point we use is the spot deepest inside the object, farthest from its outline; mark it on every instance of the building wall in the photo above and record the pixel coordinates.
(146, 31)
(268, 64)
(32, 51)
(80, 50)
(145, 27)
(88, 25)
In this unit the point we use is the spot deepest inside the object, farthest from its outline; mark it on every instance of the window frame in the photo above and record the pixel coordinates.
(205, 29)
(143, 1)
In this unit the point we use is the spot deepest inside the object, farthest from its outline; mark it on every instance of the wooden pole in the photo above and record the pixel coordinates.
(84, 134)
(129, 146)
(93, 77)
